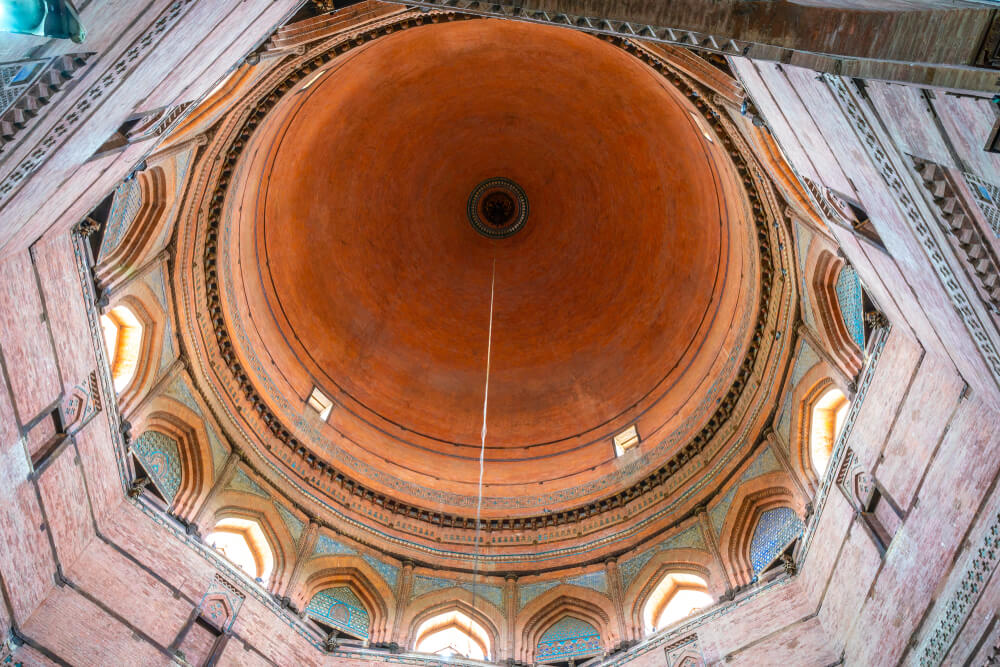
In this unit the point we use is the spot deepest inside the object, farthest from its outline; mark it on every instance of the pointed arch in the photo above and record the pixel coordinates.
(751, 500)
(439, 602)
(556, 603)
(352, 571)
(242, 507)
(133, 223)
(816, 383)
(177, 421)
(825, 267)
(685, 561)
(140, 311)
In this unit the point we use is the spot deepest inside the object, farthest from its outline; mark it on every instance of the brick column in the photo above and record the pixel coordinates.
(302, 551)
(403, 588)
(617, 591)
(708, 534)
(510, 615)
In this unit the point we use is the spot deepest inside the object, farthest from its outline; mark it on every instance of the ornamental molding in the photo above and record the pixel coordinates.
(917, 212)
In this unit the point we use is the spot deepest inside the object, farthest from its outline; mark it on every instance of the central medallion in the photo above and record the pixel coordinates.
(498, 208)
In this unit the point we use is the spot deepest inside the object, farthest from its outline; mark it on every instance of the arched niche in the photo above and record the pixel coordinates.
(134, 230)
(267, 530)
(824, 268)
(813, 385)
(351, 571)
(751, 500)
(554, 604)
(453, 633)
(244, 544)
(642, 591)
(133, 328)
(488, 617)
(775, 530)
(676, 596)
(177, 421)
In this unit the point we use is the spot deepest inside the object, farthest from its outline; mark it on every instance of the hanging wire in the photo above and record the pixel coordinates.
(482, 438)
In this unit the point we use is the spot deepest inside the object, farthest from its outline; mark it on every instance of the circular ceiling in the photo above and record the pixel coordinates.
(622, 299)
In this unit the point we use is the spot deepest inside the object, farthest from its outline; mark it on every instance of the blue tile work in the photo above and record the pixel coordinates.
(241, 482)
(764, 463)
(422, 585)
(529, 592)
(327, 545)
(292, 522)
(388, 572)
(342, 609)
(848, 290)
(567, 638)
(161, 459)
(595, 581)
(211, 607)
(775, 530)
(179, 390)
(717, 513)
(805, 359)
(124, 208)
(219, 452)
(689, 539)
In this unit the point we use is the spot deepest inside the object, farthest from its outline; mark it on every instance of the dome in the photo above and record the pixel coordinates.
(617, 303)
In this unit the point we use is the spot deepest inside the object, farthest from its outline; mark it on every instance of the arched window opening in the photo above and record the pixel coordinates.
(243, 544)
(453, 634)
(828, 415)
(123, 340)
(339, 610)
(677, 596)
(567, 639)
(776, 531)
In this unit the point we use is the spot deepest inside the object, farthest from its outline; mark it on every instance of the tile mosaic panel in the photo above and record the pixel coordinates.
(161, 459)
(341, 608)
(848, 290)
(568, 637)
(292, 522)
(775, 530)
(242, 482)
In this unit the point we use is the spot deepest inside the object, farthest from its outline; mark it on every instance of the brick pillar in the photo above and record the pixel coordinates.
(708, 534)
(510, 615)
(617, 591)
(220, 482)
(302, 551)
(403, 588)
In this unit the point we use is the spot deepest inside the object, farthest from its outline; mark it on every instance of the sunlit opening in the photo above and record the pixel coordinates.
(828, 415)
(453, 634)
(677, 596)
(123, 341)
(243, 544)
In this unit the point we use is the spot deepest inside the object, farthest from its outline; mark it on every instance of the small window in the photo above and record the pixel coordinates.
(626, 440)
(319, 402)
(123, 341)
